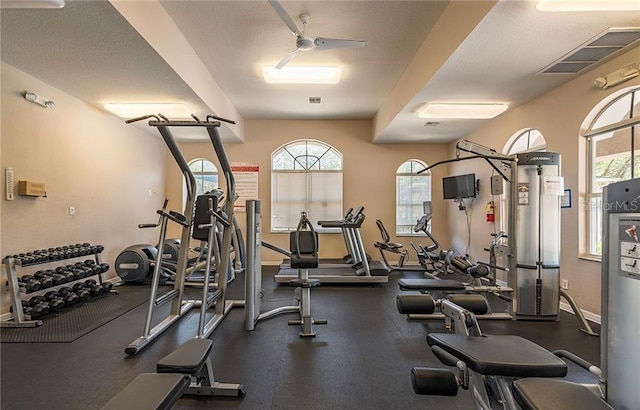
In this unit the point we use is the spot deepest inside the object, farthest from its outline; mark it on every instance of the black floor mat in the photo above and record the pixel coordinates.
(74, 322)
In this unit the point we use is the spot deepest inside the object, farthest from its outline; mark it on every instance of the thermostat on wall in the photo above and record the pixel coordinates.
(32, 188)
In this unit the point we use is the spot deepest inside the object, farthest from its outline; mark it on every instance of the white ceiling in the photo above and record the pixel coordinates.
(92, 51)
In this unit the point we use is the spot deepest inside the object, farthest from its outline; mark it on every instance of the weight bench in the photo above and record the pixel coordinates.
(482, 360)
(149, 391)
(192, 360)
(186, 370)
(536, 393)
(421, 306)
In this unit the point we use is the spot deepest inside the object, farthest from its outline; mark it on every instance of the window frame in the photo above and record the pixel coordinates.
(593, 196)
(412, 174)
(309, 171)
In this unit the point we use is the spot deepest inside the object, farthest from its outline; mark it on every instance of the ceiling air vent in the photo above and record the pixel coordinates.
(595, 50)
(315, 100)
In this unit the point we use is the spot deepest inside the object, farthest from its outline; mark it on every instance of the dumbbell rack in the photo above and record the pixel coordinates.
(11, 263)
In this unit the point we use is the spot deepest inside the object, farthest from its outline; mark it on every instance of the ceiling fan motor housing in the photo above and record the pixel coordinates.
(305, 43)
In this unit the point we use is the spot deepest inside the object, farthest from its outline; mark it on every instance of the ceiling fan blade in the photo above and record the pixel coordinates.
(279, 8)
(333, 43)
(287, 58)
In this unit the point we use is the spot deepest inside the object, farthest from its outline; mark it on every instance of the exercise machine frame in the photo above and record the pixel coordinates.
(179, 305)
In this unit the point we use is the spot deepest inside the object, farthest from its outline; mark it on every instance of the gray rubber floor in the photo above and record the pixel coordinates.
(361, 360)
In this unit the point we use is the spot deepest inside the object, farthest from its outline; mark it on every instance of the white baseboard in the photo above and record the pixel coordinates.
(590, 316)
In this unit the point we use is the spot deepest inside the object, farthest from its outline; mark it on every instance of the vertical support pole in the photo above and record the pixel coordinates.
(183, 254)
(253, 264)
(227, 231)
(211, 248)
(512, 227)
(156, 277)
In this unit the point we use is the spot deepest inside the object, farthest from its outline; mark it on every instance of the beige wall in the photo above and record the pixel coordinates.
(560, 115)
(369, 174)
(87, 159)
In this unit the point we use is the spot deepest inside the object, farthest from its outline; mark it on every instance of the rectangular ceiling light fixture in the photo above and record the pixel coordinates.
(31, 4)
(301, 75)
(588, 5)
(461, 110)
(132, 110)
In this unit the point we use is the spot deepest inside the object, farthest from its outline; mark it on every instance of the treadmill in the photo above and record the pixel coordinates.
(359, 271)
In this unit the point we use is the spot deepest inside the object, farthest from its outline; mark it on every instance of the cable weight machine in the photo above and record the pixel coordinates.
(533, 265)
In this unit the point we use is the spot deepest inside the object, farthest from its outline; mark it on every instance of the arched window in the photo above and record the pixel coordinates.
(412, 189)
(527, 140)
(206, 175)
(306, 175)
(613, 155)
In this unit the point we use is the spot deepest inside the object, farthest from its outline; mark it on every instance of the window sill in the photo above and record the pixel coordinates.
(590, 258)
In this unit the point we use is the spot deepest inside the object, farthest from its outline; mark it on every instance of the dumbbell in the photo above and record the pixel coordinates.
(40, 274)
(26, 260)
(56, 304)
(87, 271)
(39, 310)
(58, 279)
(78, 286)
(35, 300)
(30, 283)
(69, 275)
(89, 263)
(94, 288)
(50, 295)
(104, 267)
(106, 287)
(44, 277)
(39, 307)
(83, 294)
(99, 248)
(68, 296)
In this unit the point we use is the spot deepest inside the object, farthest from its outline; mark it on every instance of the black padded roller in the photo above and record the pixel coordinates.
(473, 302)
(460, 264)
(415, 304)
(478, 271)
(434, 382)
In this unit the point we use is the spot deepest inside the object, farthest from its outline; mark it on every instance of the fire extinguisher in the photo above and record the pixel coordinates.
(490, 212)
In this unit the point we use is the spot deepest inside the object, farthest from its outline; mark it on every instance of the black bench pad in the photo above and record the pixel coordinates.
(304, 261)
(149, 391)
(502, 355)
(430, 284)
(188, 358)
(535, 393)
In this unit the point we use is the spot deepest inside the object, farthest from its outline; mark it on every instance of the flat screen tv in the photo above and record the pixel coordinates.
(459, 186)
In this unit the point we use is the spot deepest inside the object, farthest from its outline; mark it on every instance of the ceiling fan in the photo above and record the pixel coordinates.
(307, 43)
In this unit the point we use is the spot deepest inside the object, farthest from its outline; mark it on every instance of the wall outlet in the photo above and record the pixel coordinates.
(564, 284)
(72, 210)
